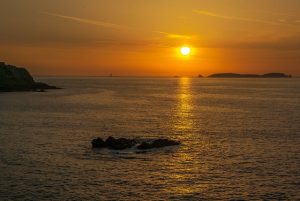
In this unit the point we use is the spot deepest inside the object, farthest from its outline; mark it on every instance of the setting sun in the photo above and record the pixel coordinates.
(185, 50)
(149, 100)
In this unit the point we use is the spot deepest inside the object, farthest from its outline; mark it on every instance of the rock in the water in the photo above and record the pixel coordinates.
(123, 143)
(98, 143)
(43, 86)
(164, 143)
(113, 143)
(145, 145)
(119, 144)
(236, 75)
(159, 143)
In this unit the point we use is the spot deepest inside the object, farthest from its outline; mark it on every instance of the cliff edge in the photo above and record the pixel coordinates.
(14, 78)
(236, 75)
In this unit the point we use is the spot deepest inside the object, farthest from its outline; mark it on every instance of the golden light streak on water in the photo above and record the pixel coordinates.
(184, 107)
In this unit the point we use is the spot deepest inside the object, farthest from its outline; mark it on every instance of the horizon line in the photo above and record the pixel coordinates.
(147, 76)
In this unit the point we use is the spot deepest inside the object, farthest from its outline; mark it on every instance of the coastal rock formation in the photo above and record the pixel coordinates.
(14, 78)
(113, 143)
(123, 143)
(98, 143)
(119, 144)
(275, 75)
(158, 144)
(236, 75)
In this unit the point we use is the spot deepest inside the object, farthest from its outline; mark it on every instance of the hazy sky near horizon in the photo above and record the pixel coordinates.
(142, 37)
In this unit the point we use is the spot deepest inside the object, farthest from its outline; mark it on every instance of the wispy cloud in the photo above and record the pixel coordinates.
(88, 21)
(173, 36)
(277, 13)
(147, 41)
(216, 15)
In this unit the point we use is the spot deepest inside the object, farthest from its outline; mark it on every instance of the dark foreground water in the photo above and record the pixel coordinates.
(241, 140)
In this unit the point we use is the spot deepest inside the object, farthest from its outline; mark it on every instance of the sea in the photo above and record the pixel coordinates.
(240, 139)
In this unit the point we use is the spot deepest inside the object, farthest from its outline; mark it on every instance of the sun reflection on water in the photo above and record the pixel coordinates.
(184, 117)
(183, 167)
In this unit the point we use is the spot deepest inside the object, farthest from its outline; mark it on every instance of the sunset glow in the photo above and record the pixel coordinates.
(185, 51)
(97, 38)
(149, 100)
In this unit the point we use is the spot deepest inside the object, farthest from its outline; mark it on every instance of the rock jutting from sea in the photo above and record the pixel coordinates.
(236, 75)
(14, 78)
(124, 143)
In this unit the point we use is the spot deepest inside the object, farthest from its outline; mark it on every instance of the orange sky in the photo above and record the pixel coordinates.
(141, 38)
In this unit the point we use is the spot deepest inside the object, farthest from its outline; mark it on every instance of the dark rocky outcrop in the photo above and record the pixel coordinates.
(98, 143)
(123, 143)
(233, 75)
(159, 143)
(275, 75)
(14, 78)
(113, 143)
(119, 144)
(236, 75)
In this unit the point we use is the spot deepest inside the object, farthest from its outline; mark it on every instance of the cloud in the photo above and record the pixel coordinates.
(287, 43)
(174, 36)
(216, 15)
(88, 21)
(277, 13)
(138, 43)
(124, 43)
(283, 43)
(116, 26)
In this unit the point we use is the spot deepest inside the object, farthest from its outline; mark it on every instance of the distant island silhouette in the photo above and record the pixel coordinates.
(236, 75)
(14, 78)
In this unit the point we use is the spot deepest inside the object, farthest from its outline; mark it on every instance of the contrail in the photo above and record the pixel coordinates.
(88, 21)
(207, 13)
(172, 35)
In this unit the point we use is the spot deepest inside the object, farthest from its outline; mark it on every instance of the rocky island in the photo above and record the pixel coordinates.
(124, 143)
(236, 75)
(14, 78)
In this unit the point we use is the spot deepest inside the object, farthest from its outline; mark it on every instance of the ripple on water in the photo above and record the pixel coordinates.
(240, 140)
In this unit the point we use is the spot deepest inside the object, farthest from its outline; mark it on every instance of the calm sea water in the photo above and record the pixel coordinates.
(241, 140)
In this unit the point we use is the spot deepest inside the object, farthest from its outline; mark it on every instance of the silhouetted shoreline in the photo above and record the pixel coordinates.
(236, 75)
(14, 78)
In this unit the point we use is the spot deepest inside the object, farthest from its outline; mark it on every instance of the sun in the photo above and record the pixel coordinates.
(185, 50)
